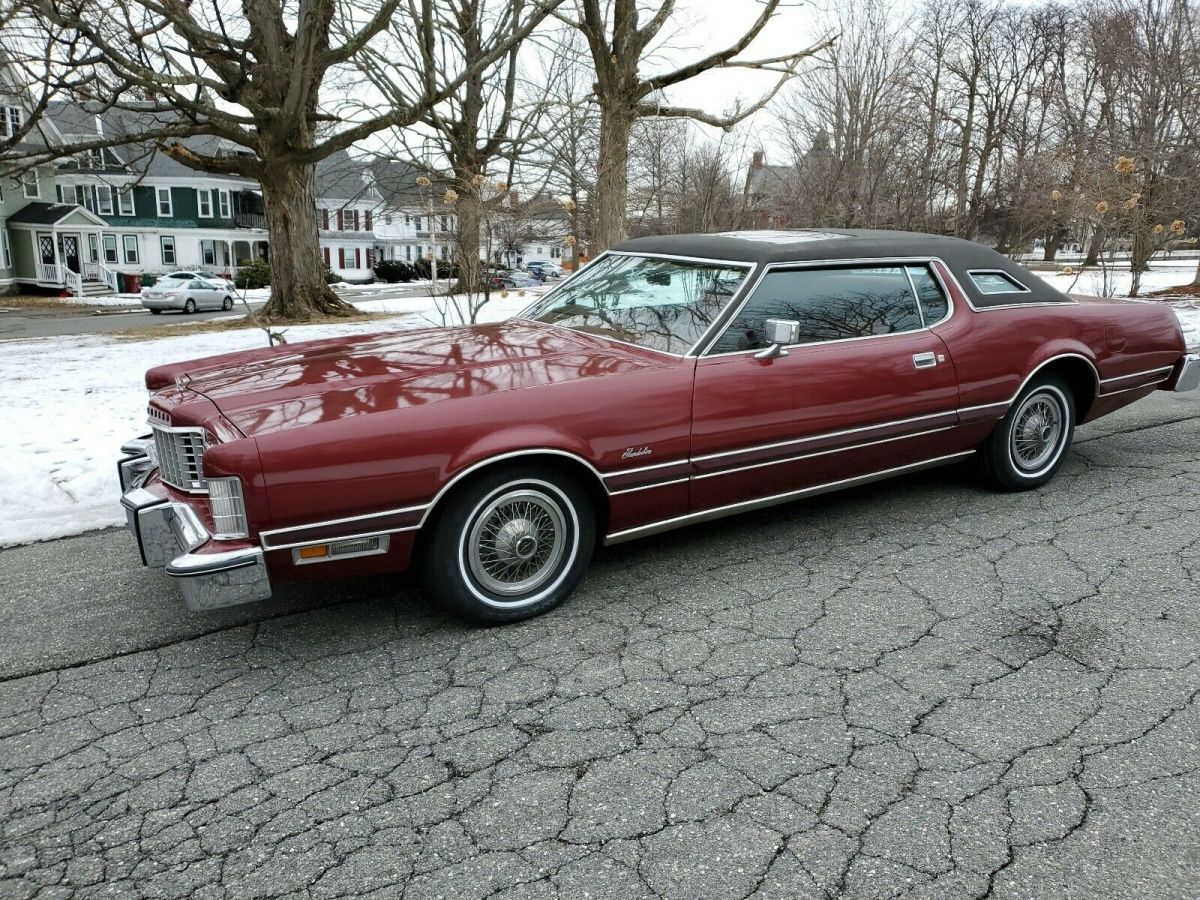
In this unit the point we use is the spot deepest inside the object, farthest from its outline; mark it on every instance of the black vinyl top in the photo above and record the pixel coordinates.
(809, 245)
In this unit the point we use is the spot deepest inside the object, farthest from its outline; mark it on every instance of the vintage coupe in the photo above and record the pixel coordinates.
(673, 380)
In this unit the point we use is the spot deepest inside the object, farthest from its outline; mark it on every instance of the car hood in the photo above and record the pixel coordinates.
(319, 381)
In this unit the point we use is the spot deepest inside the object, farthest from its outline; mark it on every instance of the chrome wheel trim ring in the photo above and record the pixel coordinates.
(499, 532)
(1038, 431)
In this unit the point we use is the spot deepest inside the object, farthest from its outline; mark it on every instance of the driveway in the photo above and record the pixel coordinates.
(918, 688)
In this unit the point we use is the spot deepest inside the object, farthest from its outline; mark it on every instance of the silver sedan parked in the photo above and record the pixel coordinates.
(188, 296)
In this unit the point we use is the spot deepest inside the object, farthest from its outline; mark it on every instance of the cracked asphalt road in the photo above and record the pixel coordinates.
(914, 689)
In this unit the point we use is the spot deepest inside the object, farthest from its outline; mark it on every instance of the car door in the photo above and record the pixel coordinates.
(869, 388)
(206, 295)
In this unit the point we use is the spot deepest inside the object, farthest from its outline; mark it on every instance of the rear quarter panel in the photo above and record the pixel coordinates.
(996, 349)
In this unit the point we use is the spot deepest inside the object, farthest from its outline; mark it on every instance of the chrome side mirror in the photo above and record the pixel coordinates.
(780, 332)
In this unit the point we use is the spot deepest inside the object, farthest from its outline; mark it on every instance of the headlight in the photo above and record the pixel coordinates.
(228, 508)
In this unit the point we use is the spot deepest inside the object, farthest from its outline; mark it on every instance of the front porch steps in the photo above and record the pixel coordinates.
(97, 289)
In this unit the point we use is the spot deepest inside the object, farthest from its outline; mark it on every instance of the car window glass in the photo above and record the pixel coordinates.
(996, 283)
(934, 304)
(829, 304)
(652, 302)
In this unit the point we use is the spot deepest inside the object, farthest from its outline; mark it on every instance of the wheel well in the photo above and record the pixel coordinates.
(1081, 377)
(571, 467)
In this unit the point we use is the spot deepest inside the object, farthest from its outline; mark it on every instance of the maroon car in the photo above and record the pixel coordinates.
(674, 380)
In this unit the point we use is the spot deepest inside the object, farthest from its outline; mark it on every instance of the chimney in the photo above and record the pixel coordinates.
(512, 199)
(757, 160)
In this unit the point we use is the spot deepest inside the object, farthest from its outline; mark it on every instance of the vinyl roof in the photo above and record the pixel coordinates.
(813, 245)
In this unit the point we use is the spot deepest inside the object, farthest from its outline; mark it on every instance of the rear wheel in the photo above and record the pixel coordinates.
(189, 306)
(1028, 445)
(510, 544)
(156, 312)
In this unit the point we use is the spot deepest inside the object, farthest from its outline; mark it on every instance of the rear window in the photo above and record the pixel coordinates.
(997, 283)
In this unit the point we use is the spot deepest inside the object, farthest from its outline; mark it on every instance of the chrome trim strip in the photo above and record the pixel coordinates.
(265, 535)
(637, 469)
(339, 538)
(647, 487)
(815, 453)
(1042, 365)
(1167, 369)
(1004, 403)
(747, 505)
(900, 261)
(822, 436)
(1136, 387)
(531, 451)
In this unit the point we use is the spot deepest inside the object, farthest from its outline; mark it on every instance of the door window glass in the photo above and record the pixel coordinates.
(934, 305)
(829, 304)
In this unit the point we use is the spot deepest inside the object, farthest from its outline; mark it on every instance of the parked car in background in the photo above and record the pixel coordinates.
(549, 269)
(511, 278)
(226, 283)
(675, 380)
(186, 296)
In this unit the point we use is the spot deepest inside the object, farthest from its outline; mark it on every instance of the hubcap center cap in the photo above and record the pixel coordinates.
(517, 538)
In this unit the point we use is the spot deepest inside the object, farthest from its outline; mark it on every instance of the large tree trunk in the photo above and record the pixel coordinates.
(1095, 246)
(1053, 243)
(470, 281)
(1196, 280)
(298, 288)
(612, 176)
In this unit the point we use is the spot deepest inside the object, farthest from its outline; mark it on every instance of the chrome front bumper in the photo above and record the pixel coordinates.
(170, 535)
(1188, 377)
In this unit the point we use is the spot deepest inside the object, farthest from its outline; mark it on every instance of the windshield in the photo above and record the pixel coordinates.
(662, 304)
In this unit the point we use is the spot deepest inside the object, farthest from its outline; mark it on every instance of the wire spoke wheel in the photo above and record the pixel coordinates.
(516, 542)
(1037, 431)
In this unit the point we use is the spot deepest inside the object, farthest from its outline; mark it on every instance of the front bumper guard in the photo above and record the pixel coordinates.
(169, 535)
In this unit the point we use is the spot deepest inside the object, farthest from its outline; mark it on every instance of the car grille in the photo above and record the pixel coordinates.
(180, 457)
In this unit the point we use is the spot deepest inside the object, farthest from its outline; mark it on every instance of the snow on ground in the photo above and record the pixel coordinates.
(70, 402)
(1117, 281)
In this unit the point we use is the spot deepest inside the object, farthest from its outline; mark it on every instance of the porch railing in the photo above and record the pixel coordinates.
(49, 273)
(109, 277)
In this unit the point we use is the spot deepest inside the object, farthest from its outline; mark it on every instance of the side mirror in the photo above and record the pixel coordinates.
(780, 332)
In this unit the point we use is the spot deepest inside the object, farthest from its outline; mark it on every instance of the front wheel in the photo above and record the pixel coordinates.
(511, 544)
(227, 304)
(1028, 445)
(189, 306)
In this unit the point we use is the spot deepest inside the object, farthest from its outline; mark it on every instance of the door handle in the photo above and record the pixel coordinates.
(925, 360)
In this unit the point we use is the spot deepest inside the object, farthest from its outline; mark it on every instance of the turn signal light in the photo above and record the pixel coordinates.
(350, 547)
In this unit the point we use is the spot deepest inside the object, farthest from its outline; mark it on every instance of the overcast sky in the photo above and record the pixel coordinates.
(713, 24)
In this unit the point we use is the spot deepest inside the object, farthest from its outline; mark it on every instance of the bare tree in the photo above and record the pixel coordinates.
(619, 40)
(254, 78)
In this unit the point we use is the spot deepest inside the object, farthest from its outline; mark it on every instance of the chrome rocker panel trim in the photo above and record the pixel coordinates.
(706, 515)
